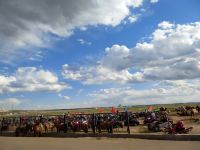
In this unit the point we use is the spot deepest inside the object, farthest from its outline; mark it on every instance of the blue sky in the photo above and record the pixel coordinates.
(92, 53)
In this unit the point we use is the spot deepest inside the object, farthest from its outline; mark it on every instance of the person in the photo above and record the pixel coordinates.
(164, 118)
(198, 108)
(153, 116)
(179, 127)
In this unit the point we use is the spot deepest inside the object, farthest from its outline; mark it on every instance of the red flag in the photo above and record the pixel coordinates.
(113, 110)
(150, 108)
(101, 110)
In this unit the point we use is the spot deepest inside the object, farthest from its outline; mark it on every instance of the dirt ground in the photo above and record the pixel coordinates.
(30, 143)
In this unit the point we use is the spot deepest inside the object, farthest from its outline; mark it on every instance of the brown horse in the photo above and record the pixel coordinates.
(38, 129)
(49, 126)
(105, 125)
(61, 127)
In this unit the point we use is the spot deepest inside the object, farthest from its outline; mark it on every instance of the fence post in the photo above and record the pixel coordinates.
(20, 121)
(2, 122)
(65, 123)
(40, 118)
(64, 118)
(93, 122)
(128, 125)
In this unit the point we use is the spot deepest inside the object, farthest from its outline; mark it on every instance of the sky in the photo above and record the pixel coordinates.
(95, 53)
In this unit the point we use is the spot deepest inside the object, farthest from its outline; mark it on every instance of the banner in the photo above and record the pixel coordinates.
(113, 110)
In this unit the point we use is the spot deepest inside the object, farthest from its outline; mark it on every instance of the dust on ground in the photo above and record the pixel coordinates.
(31, 143)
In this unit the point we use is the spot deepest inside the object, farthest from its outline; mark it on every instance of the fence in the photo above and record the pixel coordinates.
(65, 119)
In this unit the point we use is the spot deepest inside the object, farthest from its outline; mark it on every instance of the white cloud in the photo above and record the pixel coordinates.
(66, 97)
(63, 96)
(164, 92)
(168, 91)
(28, 25)
(154, 1)
(170, 60)
(109, 69)
(165, 25)
(82, 41)
(9, 103)
(171, 92)
(172, 53)
(99, 75)
(133, 18)
(30, 79)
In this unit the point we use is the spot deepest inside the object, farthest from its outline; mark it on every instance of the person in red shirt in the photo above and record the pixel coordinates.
(179, 127)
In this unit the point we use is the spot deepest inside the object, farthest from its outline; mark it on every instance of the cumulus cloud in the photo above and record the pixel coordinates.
(30, 79)
(165, 92)
(172, 53)
(109, 69)
(169, 62)
(26, 24)
(98, 75)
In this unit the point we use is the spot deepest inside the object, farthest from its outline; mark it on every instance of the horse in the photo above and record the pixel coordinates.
(24, 130)
(4, 128)
(182, 111)
(38, 129)
(49, 126)
(105, 124)
(193, 111)
(198, 108)
(61, 127)
(133, 121)
(21, 131)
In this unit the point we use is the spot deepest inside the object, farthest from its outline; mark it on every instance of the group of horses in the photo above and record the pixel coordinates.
(74, 123)
(37, 128)
(96, 123)
(49, 125)
(187, 110)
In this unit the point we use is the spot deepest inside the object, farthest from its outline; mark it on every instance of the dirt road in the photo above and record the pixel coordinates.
(30, 143)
